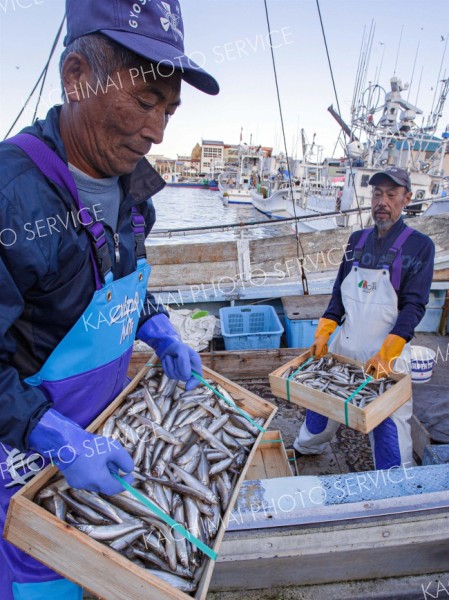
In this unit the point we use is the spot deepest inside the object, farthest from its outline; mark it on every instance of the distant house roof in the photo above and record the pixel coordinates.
(212, 143)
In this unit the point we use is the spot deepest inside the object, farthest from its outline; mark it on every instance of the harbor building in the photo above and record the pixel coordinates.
(212, 152)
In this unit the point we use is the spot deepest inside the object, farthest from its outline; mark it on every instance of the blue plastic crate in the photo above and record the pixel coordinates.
(301, 332)
(434, 309)
(250, 327)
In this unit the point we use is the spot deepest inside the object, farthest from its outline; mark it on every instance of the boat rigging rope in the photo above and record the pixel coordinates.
(339, 111)
(301, 259)
(42, 77)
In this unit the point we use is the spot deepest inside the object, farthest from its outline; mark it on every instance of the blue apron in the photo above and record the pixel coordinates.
(83, 374)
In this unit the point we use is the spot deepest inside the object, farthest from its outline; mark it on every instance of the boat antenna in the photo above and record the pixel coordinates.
(301, 259)
(42, 77)
(399, 47)
(336, 143)
(297, 137)
(339, 112)
(419, 86)
(369, 49)
(357, 77)
(438, 78)
(362, 70)
(413, 71)
(381, 61)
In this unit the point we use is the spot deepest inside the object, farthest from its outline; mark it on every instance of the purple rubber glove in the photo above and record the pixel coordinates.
(178, 359)
(86, 460)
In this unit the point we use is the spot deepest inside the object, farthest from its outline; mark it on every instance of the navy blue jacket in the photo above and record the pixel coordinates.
(418, 254)
(46, 275)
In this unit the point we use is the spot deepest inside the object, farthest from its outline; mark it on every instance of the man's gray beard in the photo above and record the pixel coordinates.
(383, 225)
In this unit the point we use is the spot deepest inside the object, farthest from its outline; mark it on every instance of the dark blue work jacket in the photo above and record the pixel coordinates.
(46, 275)
(417, 263)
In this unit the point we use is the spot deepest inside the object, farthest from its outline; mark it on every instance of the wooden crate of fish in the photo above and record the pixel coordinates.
(292, 460)
(196, 452)
(270, 460)
(332, 387)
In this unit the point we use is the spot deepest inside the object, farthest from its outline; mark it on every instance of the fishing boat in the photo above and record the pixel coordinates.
(177, 180)
(235, 183)
(271, 198)
(395, 140)
(296, 180)
(284, 200)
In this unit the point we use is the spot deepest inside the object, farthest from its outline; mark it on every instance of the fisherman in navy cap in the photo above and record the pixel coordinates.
(379, 297)
(76, 208)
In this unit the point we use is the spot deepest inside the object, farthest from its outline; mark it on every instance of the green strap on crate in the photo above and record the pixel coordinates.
(304, 364)
(242, 412)
(166, 518)
(269, 441)
(348, 400)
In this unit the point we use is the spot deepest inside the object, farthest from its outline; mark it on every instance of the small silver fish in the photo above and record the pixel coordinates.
(108, 532)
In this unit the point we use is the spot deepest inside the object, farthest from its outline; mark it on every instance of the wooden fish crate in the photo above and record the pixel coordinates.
(270, 459)
(94, 566)
(362, 419)
(292, 460)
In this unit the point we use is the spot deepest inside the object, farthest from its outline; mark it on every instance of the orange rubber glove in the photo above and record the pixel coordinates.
(382, 364)
(325, 329)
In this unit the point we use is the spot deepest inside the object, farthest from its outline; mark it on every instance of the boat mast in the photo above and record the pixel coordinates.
(434, 118)
(434, 114)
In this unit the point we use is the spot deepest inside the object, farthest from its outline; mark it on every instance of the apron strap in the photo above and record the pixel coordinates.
(55, 169)
(360, 245)
(138, 225)
(392, 258)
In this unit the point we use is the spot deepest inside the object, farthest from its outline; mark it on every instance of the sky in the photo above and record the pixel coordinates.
(230, 39)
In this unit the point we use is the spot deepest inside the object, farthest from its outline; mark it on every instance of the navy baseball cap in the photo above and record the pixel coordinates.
(152, 29)
(398, 176)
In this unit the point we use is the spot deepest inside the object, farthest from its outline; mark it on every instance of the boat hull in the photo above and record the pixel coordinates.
(197, 186)
(275, 206)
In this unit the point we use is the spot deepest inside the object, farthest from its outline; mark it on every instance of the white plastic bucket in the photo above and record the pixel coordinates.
(423, 361)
